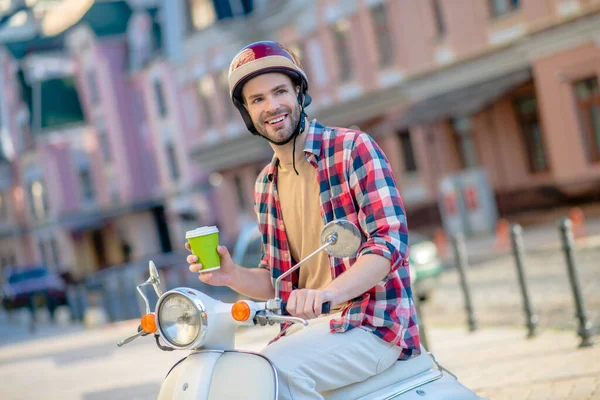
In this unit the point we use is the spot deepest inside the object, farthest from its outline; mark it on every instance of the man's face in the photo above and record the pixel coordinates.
(272, 102)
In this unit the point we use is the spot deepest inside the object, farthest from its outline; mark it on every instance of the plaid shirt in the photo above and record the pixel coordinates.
(356, 183)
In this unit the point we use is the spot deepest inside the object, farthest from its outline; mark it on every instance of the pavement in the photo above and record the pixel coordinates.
(497, 360)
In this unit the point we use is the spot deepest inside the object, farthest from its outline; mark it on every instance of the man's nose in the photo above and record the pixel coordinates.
(272, 104)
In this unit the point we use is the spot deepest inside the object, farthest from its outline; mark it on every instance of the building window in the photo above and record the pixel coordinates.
(104, 146)
(93, 85)
(526, 108)
(86, 184)
(227, 103)
(3, 208)
(206, 92)
(54, 253)
(438, 17)
(43, 252)
(465, 142)
(385, 44)
(408, 154)
(161, 105)
(38, 200)
(201, 13)
(172, 160)
(340, 31)
(587, 92)
(239, 189)
(501, 7)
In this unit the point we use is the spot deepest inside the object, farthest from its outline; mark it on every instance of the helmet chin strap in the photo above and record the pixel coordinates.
(299, 129)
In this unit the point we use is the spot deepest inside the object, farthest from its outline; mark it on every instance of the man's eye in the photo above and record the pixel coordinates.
(281, 91)
(256, 100)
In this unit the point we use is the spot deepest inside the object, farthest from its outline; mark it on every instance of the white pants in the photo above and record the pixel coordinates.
(313, 359)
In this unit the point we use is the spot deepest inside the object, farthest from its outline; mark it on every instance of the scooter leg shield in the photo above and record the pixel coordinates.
(221, 376)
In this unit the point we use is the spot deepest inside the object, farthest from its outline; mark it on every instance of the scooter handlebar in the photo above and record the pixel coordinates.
(325, 307)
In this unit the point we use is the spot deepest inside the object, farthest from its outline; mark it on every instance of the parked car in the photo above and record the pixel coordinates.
(426, 265)
(25, 286)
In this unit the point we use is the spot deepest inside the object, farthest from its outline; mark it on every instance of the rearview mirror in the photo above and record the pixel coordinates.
(347, 238)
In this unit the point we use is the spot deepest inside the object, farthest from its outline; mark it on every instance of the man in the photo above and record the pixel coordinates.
(337, 173)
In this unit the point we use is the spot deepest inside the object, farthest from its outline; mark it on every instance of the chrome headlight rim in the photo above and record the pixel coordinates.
(190, 294)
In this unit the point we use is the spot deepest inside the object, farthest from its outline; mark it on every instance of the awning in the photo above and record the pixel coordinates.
(94, 219)
(465, 101)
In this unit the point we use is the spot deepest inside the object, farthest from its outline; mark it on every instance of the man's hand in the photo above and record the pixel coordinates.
(223, 276)
(307, 303)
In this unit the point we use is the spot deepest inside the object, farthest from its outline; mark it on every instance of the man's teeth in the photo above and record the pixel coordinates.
(274, 121)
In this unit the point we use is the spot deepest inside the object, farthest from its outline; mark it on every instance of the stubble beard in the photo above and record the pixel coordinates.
(294, 116)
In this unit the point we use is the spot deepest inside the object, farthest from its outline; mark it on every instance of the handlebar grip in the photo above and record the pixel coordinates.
(325, 307)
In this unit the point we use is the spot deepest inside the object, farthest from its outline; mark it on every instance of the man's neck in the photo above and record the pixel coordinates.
(285, 152)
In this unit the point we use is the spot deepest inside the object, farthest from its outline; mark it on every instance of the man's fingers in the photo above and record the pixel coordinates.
(191, 259)
(195, 267)
(291, 305)
(317, 303)
(187, 247)
(309, 303)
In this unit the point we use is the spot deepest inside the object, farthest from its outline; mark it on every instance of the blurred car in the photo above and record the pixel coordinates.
(426, 265)
(27, 284)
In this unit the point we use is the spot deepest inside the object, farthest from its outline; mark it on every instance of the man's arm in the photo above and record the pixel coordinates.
(367, 271)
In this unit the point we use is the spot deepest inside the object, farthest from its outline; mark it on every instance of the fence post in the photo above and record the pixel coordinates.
(462, 264)
(422, 333)
(585, 326)
(516, 233)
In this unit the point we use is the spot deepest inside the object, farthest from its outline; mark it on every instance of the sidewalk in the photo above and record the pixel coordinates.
(498, 363)
(502, 364)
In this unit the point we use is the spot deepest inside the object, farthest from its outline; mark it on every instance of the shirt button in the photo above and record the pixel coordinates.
(281, 225)
(289, 285)
(286, 256)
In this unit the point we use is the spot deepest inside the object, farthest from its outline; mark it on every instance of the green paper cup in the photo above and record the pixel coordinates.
(203, 242)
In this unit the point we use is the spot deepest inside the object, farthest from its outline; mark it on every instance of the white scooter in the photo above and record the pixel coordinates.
(186, 319)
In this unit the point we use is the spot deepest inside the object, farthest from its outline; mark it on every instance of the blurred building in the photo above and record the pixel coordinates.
(118, 133)
(81, 192)
(507, 86)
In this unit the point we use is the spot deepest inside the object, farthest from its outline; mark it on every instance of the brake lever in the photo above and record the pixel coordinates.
(272, 316)
(130, 339)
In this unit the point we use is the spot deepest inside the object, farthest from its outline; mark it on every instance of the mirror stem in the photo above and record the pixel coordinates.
(332, 239)
(139, 289)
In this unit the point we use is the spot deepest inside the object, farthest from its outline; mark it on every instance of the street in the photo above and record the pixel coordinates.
(497, 361)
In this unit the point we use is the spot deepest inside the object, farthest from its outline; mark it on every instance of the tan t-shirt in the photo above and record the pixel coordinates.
(300, 207)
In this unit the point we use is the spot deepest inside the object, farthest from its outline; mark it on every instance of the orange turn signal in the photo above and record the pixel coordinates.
(240, 311)
(149, 323)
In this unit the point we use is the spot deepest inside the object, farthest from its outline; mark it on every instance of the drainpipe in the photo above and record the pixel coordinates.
(497, 156)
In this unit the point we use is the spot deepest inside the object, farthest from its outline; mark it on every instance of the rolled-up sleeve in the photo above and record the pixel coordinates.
(381, 213)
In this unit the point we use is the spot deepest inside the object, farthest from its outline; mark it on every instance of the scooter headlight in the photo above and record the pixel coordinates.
(181, 319)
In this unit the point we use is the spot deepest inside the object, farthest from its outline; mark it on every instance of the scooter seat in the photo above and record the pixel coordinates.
(401, 370)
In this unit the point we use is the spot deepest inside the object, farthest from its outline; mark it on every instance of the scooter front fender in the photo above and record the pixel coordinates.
(221, 375)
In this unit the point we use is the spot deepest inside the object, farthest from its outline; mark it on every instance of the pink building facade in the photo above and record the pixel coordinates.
(444, 86)
(506, 87)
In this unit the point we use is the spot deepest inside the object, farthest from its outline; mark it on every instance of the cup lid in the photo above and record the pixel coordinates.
(201, 231)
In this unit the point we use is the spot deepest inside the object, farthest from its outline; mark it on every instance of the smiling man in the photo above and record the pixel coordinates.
(337, 173)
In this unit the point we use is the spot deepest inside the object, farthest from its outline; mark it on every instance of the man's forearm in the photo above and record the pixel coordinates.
(367, 271)
(254, 283)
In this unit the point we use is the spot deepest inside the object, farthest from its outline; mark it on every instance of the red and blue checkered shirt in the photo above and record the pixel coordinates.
(356, 183)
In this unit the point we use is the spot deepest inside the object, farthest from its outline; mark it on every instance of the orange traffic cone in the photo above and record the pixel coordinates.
(502, 235)
(578, 222)
(441, 242)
